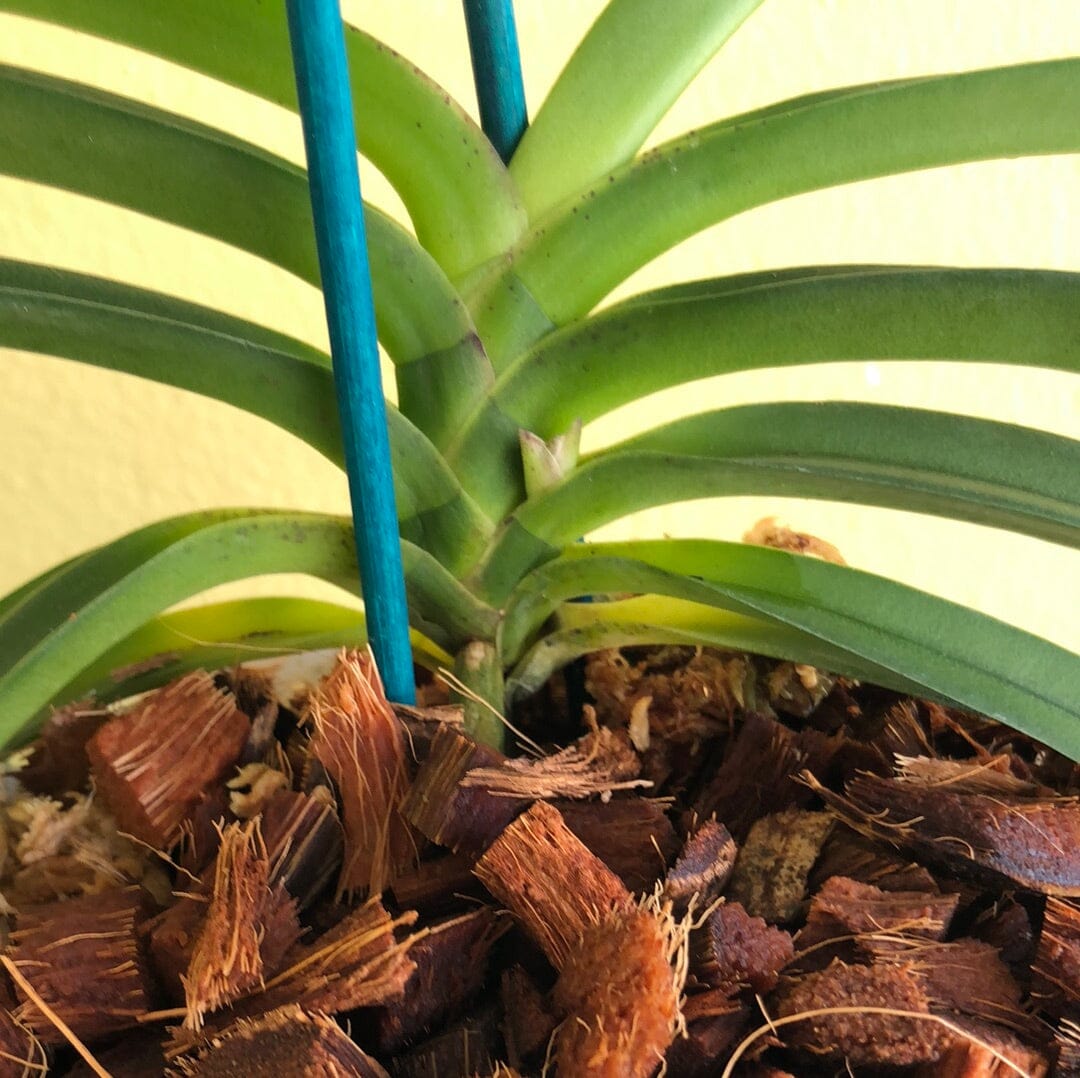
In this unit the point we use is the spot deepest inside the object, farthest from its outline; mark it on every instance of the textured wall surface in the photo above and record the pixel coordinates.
(88, 455)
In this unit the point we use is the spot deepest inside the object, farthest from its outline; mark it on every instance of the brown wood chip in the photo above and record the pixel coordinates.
(988, 1051)
(288, 1041)
(361, 744)
(357, 963)
(847, 853)
(703, 867)
(81, 957)
(632, 836)
(965, 976)
(771, 869)
(451, 965)
(471, 1046)
(1032, 841)
(1056, 970)
(734, 951)
(864, 1036)
(550, 881)
(760, 771)
(304, 842)
(529, 1017)
(714, 1026)
(621, 995)
(152, 765)
(437, 885)
(466, 819)
(246, 930)
(21, 1053)
(844, 908)
(690, 693)
(57, 761)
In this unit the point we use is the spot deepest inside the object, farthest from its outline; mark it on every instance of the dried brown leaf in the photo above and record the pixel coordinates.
(770, 532)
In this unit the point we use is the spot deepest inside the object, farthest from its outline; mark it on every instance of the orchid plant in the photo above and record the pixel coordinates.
(487, 311)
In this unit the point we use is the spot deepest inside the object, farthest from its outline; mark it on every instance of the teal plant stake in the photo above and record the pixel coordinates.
(322, 84)
(496, 65)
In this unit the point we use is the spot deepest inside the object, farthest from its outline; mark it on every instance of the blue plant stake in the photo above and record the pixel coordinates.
(322, 83)
(496, 65)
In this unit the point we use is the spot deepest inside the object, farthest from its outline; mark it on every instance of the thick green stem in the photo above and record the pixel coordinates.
(478, 666)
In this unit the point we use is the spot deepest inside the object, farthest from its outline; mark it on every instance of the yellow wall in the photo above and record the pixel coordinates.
(88, 455)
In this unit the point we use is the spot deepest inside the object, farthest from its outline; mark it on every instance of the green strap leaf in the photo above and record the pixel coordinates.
(602, 108)
(546, 591)
(788, 317)
(576, 256)
(221, 635)
(24, 591)
(153, 162)
(795, 317)
(280, 379)
(120, 151)
(650, 620)
(458, 194)
(70, 620)
(976, 470)
(110, 148)
(947, 650)
(151, 335)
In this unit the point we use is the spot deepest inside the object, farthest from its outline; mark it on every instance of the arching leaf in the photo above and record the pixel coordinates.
(866, 622)
(74, 617)
(780, 318)
(458, 194)
(975, 470)
(575, 257)
(602, 108)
